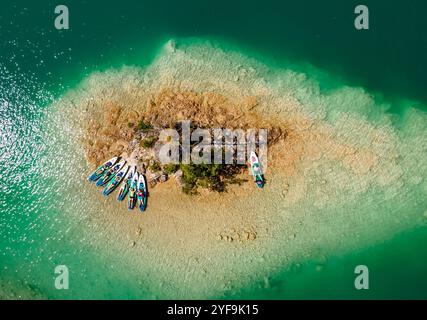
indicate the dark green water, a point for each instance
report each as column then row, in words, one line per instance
column 389, row 60
column 396, row 271
column 389, row 57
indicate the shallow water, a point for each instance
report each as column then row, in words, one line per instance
column 42, row 213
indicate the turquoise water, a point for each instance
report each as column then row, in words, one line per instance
column 39, row 63
column 396, row 271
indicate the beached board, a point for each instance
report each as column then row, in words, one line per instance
column 132, row 191
column 256, row 170
column 124, row 189
column 142, row 192
column 108, row 175
column 102, row 169
column 114, row 183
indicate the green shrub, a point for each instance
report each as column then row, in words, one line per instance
column 155, row 167
column 210, row 176
column 148, row 143
column 189, row 189
column 214, row 177
column 144, row 126
column 171, row 168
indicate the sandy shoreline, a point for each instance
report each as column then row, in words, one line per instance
column 327, row 180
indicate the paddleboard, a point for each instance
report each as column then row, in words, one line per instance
column 142, row 193
column 132, row 191
column 256, row 169
column 108, row 175
column 117, row 179
column 102, row 169
column 124, row 188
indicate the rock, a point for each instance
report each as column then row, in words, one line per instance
column 133, row 143
column 163, row 177
column 178, row 174
column 252, row 236
column 179, row 181
column 132, row 244
column 155, row 176
column 178, row 177
column 138, row 231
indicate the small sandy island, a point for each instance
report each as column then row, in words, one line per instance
column 337, row 179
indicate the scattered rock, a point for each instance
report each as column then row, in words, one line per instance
column 252, row 236
column 138, row 231
column 238, row 235
column 154, row 176
column 163, row 177
column 178, row 177
column 133, row 143
column 178, row 174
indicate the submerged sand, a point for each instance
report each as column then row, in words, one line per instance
column 341, row 175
